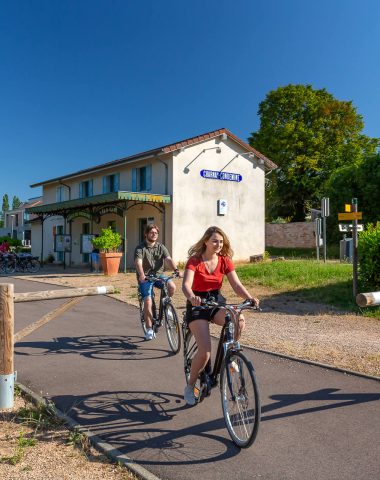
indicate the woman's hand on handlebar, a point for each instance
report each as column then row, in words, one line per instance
column 195, row 301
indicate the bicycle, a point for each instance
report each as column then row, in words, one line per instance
column 22, row 262
column 238, row 385
column 165, row 311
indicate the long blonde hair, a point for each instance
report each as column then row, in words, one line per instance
column 197, row 249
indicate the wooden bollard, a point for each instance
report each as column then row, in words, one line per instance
column 7, row 375
column 64, row 293
column 368, row 299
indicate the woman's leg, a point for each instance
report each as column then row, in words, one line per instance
column 200, row 330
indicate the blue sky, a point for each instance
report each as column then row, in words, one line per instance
column 85, row 82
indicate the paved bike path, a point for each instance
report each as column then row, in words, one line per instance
column 94, row 364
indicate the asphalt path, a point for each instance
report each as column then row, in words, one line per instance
column 94, row 364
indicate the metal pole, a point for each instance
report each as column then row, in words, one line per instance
column 324, row 240
column 355, row 250
column 7, row 375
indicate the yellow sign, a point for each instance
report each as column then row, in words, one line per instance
column 350, row 216
column 347, row 207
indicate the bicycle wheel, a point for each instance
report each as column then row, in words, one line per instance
column 10, row 266
column 172, row 327
column 33, row 266
column 141, row 314
column 240, row 399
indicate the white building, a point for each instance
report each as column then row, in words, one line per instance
column 185, row 187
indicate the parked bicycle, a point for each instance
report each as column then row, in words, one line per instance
column 165, row 312
column 232, row 370
column 22, row 262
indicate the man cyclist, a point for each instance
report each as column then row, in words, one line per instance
column 150, row 257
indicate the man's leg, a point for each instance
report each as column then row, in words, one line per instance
column 171, row 288
column 148, row 312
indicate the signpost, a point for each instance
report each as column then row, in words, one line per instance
column 325, row 208
column 351, row 213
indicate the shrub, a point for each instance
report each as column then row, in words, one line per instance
column 369, row 257
column 107, row 241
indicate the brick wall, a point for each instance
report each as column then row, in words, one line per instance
column 290, row 235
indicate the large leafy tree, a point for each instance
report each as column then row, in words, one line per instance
column 308, row 134
column 361, row 181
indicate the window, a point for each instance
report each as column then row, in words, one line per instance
column 111, row 183
column 143, row 222
column 60, row 194
column 85, row 189
column 142, row 179
column 112, row 224
column 85, row 230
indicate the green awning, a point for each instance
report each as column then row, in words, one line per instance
column 106, row 198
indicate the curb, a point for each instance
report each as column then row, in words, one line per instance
column 311, row 362
column 95, row 441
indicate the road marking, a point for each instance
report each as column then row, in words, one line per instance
column 46, row 318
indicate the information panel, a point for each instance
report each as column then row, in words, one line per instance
column 62, row 243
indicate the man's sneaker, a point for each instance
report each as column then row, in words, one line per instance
column 149, row 335
column 189, row 396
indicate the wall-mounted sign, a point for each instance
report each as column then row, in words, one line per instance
column 222, row 206
column 86, row 243
column 62, row 243
column 109, row 209
column 71, row 216
column 227, row 176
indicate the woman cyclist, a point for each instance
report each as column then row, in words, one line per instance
column 209, row 261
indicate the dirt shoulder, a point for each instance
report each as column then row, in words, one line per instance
column 287, row 324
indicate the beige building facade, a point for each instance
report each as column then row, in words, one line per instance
column 210, row 179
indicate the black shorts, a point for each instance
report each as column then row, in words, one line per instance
column 192, row 313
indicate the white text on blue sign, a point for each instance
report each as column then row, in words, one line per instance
column 227, row 176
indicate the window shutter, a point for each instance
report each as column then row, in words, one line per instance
column 117, row 182
column 104, row 184
column 134, row 180
column 81, row 190
column 90, row 188
column 149, row 177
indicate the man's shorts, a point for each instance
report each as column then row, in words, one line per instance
column 146, row 288
column 206, row 313
column 95, row 257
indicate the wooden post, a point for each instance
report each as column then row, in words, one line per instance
column 6, row 345
column 368, row 299
column 64, row 293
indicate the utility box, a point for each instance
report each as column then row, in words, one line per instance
column 346, row 250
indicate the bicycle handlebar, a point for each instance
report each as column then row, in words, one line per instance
column 248, row 304
column 153, row 278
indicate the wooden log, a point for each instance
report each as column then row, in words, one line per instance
column 6, row 328
column 368, row 299
column 64, row 293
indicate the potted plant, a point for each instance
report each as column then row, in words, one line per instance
column 108, row 242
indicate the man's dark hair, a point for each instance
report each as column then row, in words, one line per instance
column 150, row 227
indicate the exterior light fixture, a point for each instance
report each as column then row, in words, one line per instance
column 218, row 150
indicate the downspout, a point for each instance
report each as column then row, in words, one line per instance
column 166, row 193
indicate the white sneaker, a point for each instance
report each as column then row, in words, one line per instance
column 189, row 396
column 149, row 335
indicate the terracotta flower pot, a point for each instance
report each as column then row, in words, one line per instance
column 110, row 263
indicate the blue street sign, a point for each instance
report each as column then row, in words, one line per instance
column 226, row 176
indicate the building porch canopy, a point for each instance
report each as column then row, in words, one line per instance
column 124, row 200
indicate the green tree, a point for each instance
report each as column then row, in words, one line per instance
column 308, row 134
column 361, row 181
column 15, row 202
column 5, row 205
